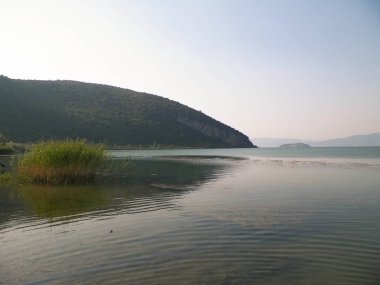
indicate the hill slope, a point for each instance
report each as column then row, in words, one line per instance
column 34, row 110
column 357, row 140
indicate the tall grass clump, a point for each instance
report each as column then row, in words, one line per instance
column 63, row 161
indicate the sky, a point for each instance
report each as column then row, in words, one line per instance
column 285, row 68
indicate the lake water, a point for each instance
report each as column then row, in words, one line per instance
column 240, row 216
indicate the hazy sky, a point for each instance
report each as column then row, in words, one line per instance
column 305, row 69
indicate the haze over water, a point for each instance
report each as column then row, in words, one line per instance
column 202, row 216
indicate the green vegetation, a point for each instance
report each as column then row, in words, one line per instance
column 62, row 161
column 7, row 179
column 35, row 110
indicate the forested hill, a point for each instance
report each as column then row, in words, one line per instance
column 32, row 110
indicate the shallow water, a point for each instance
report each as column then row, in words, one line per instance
column 197, row 220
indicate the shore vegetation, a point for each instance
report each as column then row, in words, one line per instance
column 66, row 161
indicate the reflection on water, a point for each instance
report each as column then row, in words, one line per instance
column 178, row 171
column 60, row 201
column 197, row 221
column 149, row 185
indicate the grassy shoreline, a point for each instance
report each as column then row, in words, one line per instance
column 57, row 162
column 63, row 161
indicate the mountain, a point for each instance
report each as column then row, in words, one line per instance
column 357, row 140
column 32, row 110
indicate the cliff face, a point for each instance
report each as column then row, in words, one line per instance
column 229, row 137
column 33, row 110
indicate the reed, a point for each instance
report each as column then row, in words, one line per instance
column 63, row 161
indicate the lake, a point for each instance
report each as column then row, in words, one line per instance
column 220, row 216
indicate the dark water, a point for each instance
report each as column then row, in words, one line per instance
column 198, row 221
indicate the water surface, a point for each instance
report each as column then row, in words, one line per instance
column 254, row 219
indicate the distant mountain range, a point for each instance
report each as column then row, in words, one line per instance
column 356, row 140
column 32, row 110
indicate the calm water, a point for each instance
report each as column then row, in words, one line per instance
column 261, row 216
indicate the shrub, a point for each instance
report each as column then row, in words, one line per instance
column 63, row 161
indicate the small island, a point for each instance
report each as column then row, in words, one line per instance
column 295, row 145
